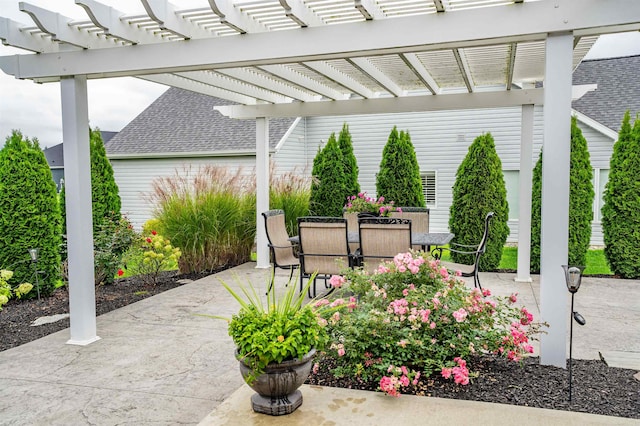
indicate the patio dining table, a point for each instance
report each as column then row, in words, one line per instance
column 424, row 239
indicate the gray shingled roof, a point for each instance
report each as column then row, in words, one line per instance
column 181, row 121
column 618, row 81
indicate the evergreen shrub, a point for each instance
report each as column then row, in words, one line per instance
column 352, row 187
column 398, row 179
column 328, row 187
column 479, row 188
column 621, row 210
column 30, row 214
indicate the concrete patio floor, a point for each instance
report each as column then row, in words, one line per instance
column 160, row 363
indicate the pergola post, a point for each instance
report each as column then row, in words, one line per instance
column 555, row 197
column 524, row 215
column 262, row 189
column 75, row 134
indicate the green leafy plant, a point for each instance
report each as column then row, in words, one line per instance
column 581, row 195
column 6, row 291
column 479, row 189
column 110, row 242
column 399, row 175
column 157, row 255
column 30, row 215
column 284, row 329
column 361, row 203
column 411, row 318
column 328, row 188
column 621, row 210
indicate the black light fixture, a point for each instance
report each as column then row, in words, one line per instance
column 573, row 276
column 34, row 260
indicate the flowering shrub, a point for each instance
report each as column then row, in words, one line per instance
column 412, row 317
column 362, row 204
column 6, row 291
column 157, row 255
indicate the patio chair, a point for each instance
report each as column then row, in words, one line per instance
column 475, row 250
column 352, row 226
column 419, row 220
column 282, row 251
column 324, row 248
column 382, row 238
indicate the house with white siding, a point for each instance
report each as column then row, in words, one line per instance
column 181, row 130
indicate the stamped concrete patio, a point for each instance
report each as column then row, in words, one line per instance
column 160, row 363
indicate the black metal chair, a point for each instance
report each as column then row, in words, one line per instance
column 282, row 251
column 476, row 250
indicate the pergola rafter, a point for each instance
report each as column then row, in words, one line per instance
column 279, row 58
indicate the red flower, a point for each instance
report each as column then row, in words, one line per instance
column 154, row 233
column 120, row 272
column 148, row 240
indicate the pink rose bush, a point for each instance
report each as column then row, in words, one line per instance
column 412, row 313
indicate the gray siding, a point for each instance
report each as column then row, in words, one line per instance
column 135, row 177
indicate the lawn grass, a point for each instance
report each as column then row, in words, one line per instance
column 596, row 262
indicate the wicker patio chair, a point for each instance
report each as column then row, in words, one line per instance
column 419, row 220
column 324, row 248
column 282, row 251
column 382, row 238
column 475, row 250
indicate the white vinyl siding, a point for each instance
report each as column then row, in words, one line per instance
column 512, row 183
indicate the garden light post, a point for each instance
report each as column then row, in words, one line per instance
column 34, row 260
column 573, row 276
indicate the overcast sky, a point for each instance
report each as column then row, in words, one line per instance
column 35, row 109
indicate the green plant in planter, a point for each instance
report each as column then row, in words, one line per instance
column 362, row 203
column 283, row 330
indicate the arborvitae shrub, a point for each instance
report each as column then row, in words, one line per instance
column 580, row 202
column 479, row 189
column 621, row 210
column 30, row 214
column 352, row 187
column 327, row 191
column 398, row 179
column 104, row 191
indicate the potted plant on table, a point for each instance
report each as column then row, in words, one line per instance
column 276, row 344
column 369, row 206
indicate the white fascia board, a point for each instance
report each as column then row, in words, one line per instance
column 162, row 155
column 595, row 125
column 287, row 134
column 524, row 22
column 388, row 105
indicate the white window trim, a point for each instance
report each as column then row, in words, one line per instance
column 423, row 178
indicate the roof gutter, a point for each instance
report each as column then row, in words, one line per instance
column 194, row 154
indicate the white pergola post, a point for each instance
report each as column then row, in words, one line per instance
column 555, row 197
column 524, row 215
column 75, row 134
column 262, row 189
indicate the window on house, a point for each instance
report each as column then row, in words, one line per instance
column 600, row 178
column 512, row 183
column 429, row 187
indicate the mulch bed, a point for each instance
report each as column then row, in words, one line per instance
column 597, row 388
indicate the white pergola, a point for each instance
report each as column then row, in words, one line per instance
column 292, row 58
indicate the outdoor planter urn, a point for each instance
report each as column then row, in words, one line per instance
column 277, row 388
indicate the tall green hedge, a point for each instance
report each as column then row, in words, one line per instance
column 328, row 188
column 581, row 195
column 479, row 189
column 352, row 186
column 30, row 215
column 621, row 210
column 398, row 179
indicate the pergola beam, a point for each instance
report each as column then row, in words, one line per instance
column 267, row 83
column 341, row 78
column 303, row 81
column 366, row 67
column 529, row 21
column 387, row 105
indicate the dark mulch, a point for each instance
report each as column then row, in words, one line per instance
column 17, row 315
column 597, row 388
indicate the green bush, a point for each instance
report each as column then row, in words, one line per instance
column 328, row 188
column 352, row 187
column 580, row 202
column 398, row 179
column 621, row 210
column 479, row 189
column 30, row 216
column 290, row 192
column 211, row 217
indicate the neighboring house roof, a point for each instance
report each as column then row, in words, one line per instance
column 618, row 81
column 181, row 121
column 55, row 154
